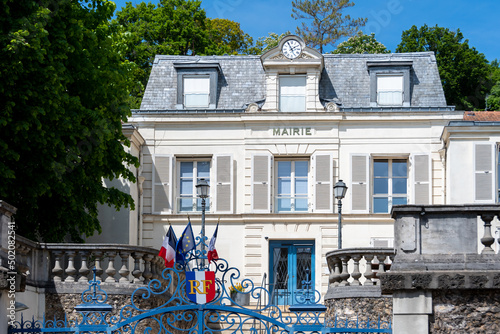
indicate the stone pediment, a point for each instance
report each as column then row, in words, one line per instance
column 308, row 57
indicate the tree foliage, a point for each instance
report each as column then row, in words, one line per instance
column 175, row 27
column 464, row 71
column 328, row 23
column 266, row 43
column 62, row 101
column 226, row 37
column 361, row 43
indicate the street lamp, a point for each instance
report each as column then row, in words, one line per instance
column 339, row 190
column 202, row 190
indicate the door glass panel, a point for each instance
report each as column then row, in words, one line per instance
column 303, row 265
column 280, row 266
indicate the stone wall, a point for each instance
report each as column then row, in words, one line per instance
column 59, row 305
column 360, row 308
column 460, row 311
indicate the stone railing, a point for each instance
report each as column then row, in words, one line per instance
column 358, row 266
column 51, row 263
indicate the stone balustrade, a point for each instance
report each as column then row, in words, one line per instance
column 73, row 263
column 358, row 266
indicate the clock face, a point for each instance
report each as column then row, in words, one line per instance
column 291, row 49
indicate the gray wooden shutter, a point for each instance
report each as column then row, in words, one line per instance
column 162, row 184
column 422, row 179
column 323, row 176
column 261, row 183
column 483, row 170
column 223, row 183
column 360, row 183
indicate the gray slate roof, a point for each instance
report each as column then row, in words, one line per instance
column 345, row 77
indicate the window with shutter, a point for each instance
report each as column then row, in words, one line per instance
column 484, row 180
column 189, row 173
column 421, row 179
column 261, row 178
column 292, row 190
column 224, row 176
column 292, row 93
column 390, row 184
column 196, row 92
column 359, row 183
column 162, row 184
column 323, row 188
column 390, row 90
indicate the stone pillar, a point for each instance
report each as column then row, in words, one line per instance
column 411, row 311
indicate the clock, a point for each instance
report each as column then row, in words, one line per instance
column 291, row 49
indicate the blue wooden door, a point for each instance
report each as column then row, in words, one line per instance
column 291, row 263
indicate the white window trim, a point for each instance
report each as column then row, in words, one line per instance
column 178, row 183
column 292, row 177
column 195, row 76
column 390, row 177
column 279, row 90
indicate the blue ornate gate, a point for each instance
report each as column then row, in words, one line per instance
column 176, row 313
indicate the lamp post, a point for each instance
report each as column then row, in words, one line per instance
column 202, row 190
column 339, row 190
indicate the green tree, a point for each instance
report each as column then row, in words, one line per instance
column 266, row 43
column 464, row 71
column 493, row 97
column 361, row 43
column 328, row 24
column 173, row 27
column 226, row 37
column 63, row 99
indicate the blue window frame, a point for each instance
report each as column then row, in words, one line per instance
column 390, row 184
column 190, row 172
column 291, row 263
column 292, row 186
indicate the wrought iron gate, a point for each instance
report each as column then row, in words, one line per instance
column 176, row 312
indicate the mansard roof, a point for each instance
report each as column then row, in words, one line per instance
column 345, row 79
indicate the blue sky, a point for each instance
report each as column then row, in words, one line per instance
column 477, row 20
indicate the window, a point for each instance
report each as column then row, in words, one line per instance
column 197, row 85
column 190, row 172
column 390, row 184
column 390, row 84
column 196, row 92
column 292, row 93
column 292, row 186
column 390, row 90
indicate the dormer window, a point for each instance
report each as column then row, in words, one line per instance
column 292, row 93
column 197, row 85
column 390, row 90
column 389, row 83
column 196, row 91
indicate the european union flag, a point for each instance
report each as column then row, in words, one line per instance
column 185, row 244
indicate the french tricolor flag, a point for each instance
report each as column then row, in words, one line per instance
column 167, row 251
column 212, row 252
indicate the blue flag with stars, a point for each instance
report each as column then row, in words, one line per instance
column 185, row 244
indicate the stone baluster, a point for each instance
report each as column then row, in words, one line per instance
column 57, row 271
column 344, row 275
column 356, row 274
column 369, row 274
column 70, row 269
column 84, row 269
column 487, row 240
column 98, row 270
column 391, row 259
column 336, row 275
column 380, row 266
column 137, row 273
column 154, row 267
column 331, row 276
column 124, row 269
column 111, row 271
column 147, row 267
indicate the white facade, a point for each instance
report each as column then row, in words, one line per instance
column 275, row 136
